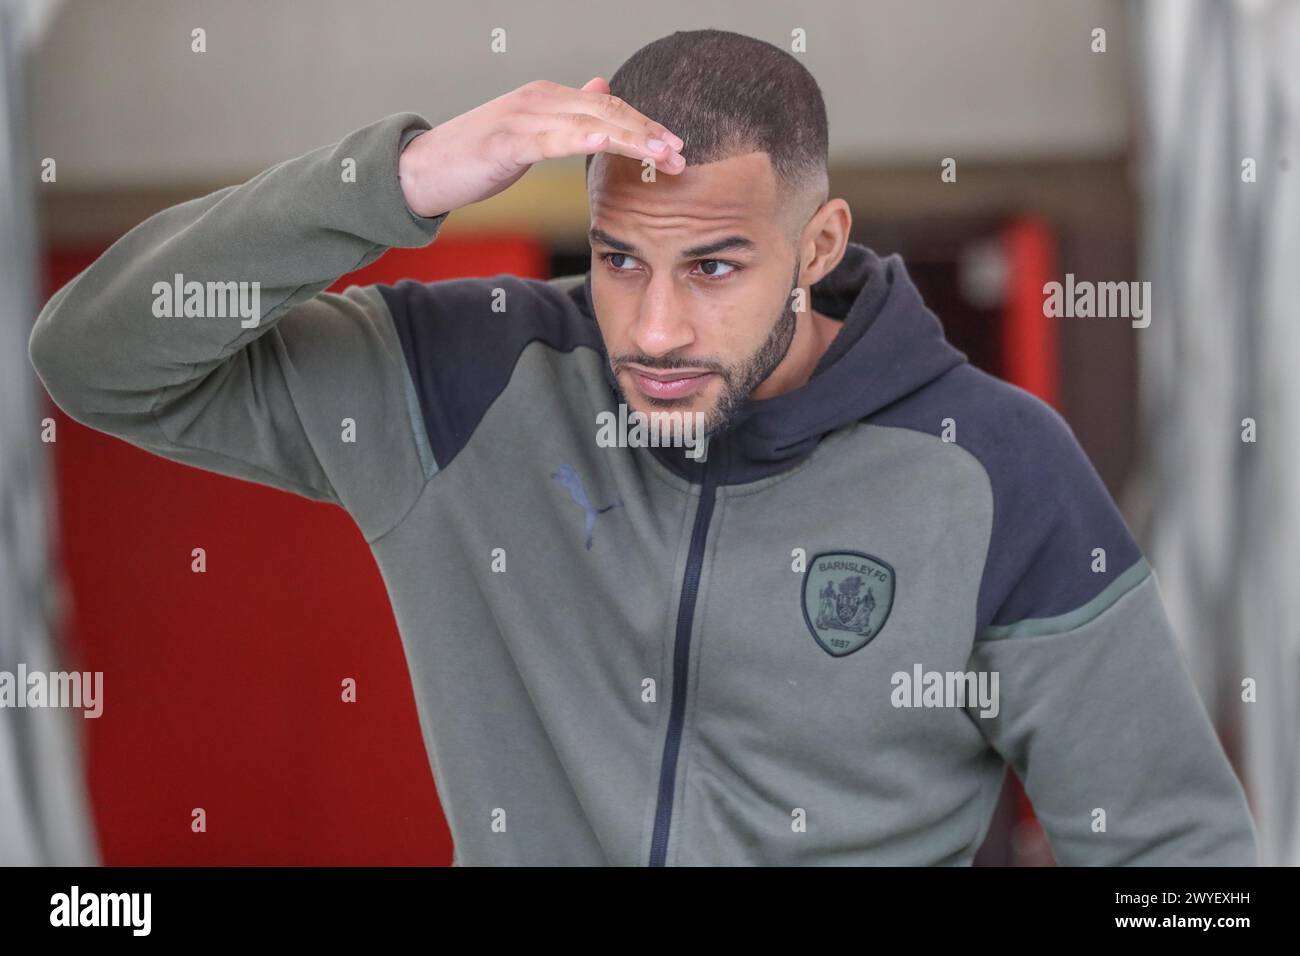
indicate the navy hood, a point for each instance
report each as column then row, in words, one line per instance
column 890, row 345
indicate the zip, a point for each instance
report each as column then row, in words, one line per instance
column 681, row 658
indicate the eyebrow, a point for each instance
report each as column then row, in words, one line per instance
column 598, row 235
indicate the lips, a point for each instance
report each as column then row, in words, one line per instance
column 669, row 384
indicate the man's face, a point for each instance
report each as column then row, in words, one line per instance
column 691, row 282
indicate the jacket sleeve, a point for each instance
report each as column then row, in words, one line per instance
column 288, row 386
column 1098, row 713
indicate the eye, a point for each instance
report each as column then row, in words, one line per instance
column 608, row 258
column 718, row 262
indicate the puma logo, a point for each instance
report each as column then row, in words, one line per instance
column 567, row 475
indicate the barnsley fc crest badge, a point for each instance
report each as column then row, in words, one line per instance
column 847, row 596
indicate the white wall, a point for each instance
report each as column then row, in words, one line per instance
column 119, row 99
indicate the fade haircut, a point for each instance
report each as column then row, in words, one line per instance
column 726, row 94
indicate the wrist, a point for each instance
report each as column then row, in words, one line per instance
column 408, row 176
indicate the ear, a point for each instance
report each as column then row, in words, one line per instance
column 824, row 240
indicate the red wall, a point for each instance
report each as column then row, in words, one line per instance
column 222, row 690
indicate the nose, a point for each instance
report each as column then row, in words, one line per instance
column 662, row 325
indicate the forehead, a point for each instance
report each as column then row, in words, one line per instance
column 737, row 193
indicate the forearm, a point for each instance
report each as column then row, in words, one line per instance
column 1113, row 744
column 188, row 287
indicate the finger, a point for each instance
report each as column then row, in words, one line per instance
column 621, row 112
column 611, row 108
column 670, row 162
column 549, row 96
column 573, row 134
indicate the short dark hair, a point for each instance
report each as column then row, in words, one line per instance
column 725, row 94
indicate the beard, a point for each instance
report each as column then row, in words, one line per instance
column 739, row 379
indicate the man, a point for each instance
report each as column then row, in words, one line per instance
column 819, row 639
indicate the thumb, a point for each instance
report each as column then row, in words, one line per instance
column 595, row 85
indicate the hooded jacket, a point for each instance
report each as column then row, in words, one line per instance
column 822, row 644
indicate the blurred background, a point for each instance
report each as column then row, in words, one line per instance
column 1116, row 141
